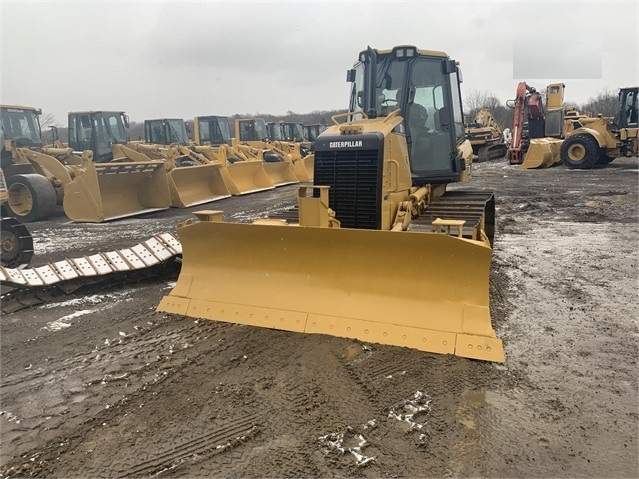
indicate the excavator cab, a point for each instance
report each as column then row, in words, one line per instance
column 380, row 251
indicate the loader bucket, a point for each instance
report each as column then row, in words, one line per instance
column 309, row 164
column 542, row 153
column 107, row 191
column 427, row 291
column 281, row 173
column 301, row 172
column 194, row 185
column 248, row 177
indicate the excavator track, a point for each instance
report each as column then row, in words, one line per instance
column 23, row 288
column 492, row 152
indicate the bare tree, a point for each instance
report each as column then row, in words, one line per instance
column 47, row 123
column 605, row 103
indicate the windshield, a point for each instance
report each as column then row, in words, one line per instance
column 214, row 129
column 21, row 125
column 252, row 130
column 275, row 131
column 176, row 132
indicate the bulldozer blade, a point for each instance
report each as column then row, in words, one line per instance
column 281, row 173
column 107, row 191
column 248, row 177
column 542, row 153
column 195, row 185
column 427, row 291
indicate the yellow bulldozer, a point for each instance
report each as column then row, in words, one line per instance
column 83, row 176
column 378, row 248
column 595, row 141
column 485, row 136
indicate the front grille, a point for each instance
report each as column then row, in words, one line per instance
column 354, row 177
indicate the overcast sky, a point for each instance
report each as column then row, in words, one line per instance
column 182, row 59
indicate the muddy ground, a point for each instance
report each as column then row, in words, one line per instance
column 101, row 385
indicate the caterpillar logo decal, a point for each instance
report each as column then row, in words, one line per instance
column 345, row 144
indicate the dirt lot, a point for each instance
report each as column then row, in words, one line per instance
column 100, row 385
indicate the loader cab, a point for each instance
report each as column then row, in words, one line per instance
column 274, row 131
column 293, row 132
column 311, row 132
column 21, row 127
column 166, row 131
column 97, row 131
column 212, row 130
column 251, row 130
column 424, row 86
column 626, row 116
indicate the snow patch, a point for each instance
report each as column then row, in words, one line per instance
column 62, row 322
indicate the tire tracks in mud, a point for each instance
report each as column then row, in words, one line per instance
column 73, row 395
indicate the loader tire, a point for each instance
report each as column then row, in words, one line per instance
column 580, row 151
column 604, row 159
column 31, row 197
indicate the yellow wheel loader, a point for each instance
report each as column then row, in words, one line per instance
column 193, row 180
column 212, row 138
column 379, row 250
column 300, row 147
column 286, row 139
column 596, row 141
column 279, row 165
column 485, row 136
column 198, row 172
column 16, row 242
column 83, row 177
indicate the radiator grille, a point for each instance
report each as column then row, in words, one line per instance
column 354, row 177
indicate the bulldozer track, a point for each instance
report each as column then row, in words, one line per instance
column 476, row 208
column 23, row 288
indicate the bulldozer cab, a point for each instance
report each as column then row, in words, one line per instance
column 20, row 126
column 212, row 130
column 627, row 114
column 97, row 131
column 424, row 86
column 166, row 131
